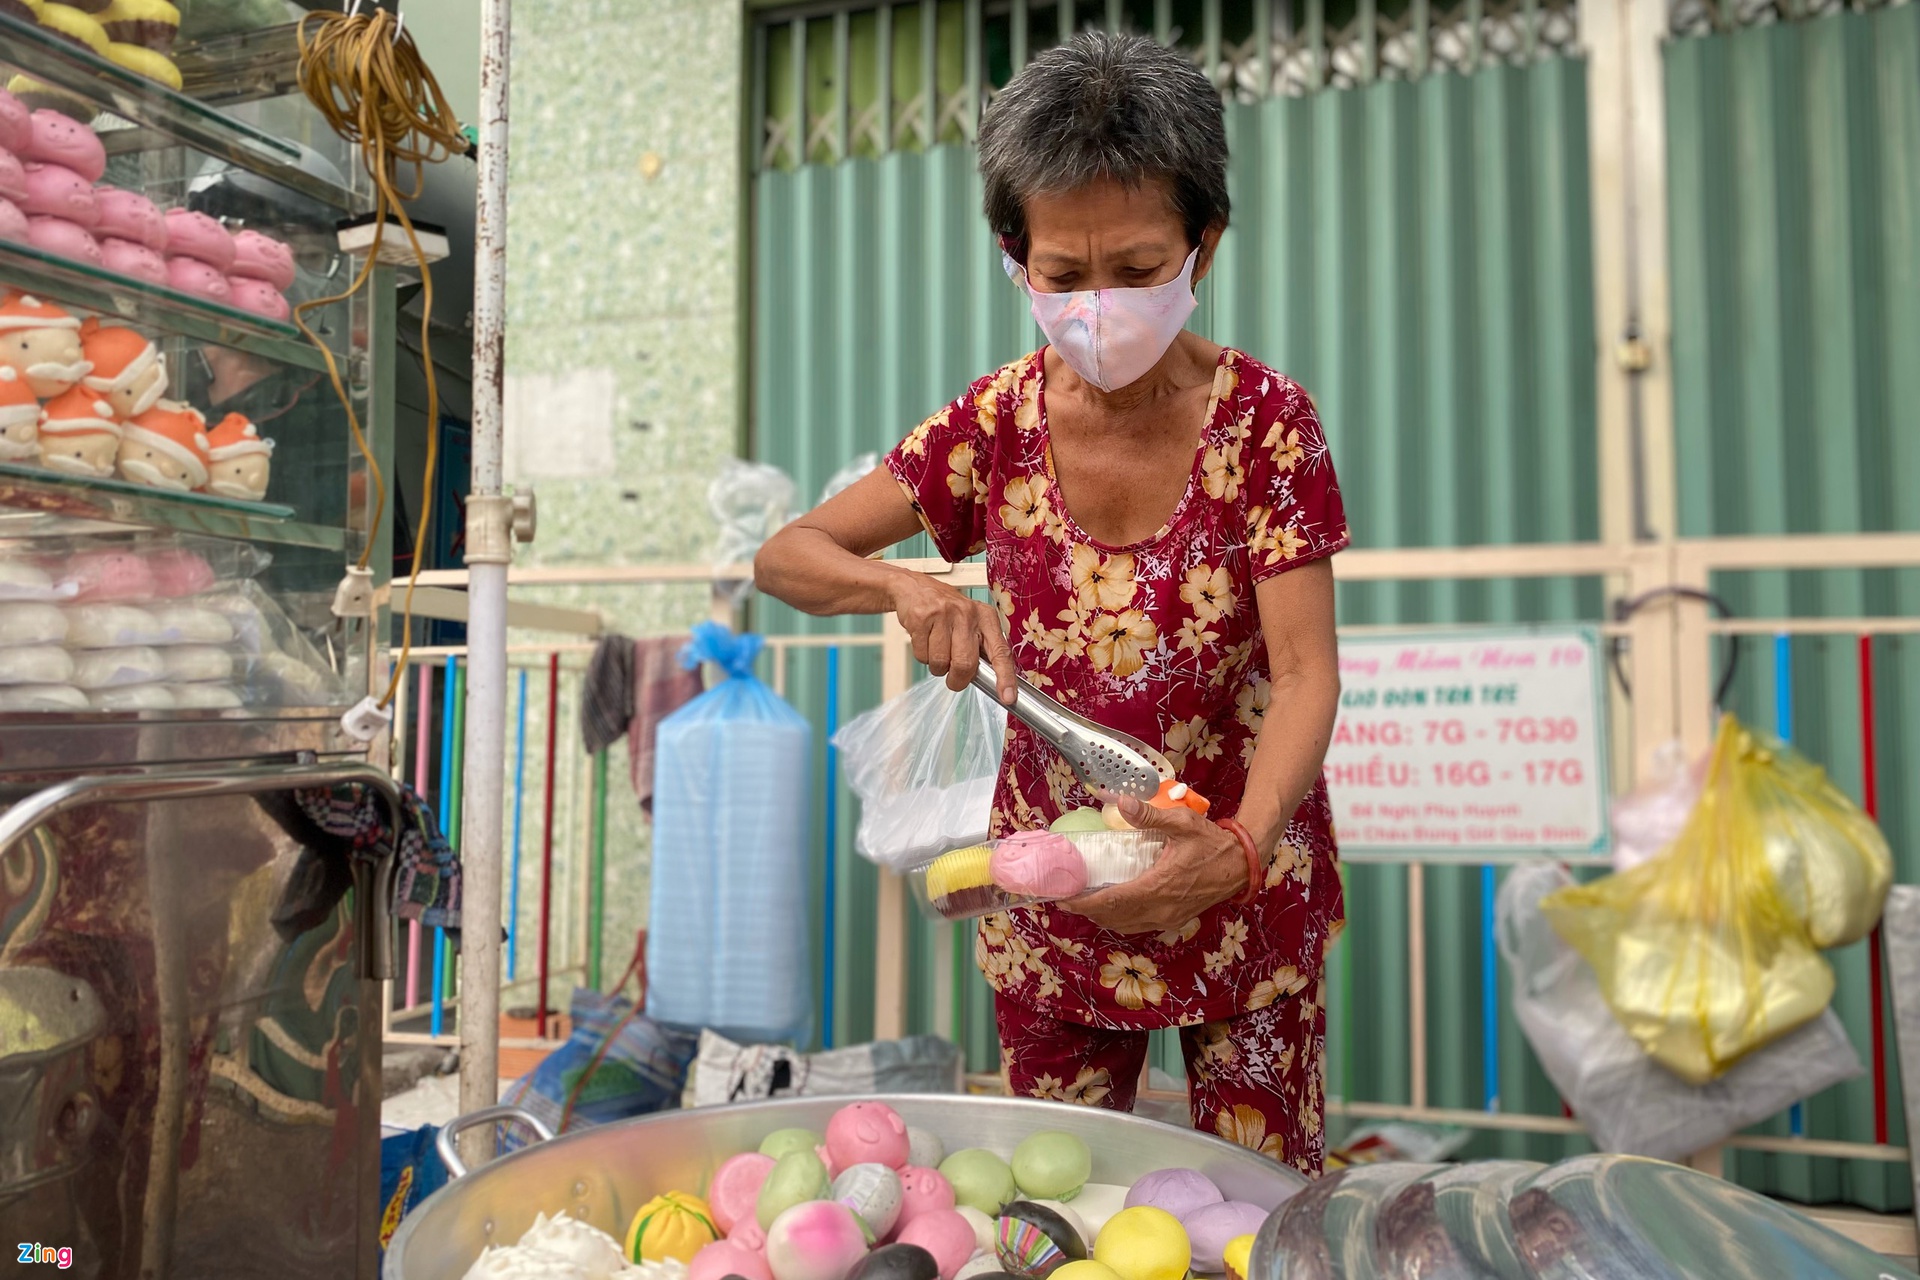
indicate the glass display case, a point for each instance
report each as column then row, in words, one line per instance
column 194, row 222
column 190, row 963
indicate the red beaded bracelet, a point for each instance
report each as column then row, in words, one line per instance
column 1256, row 865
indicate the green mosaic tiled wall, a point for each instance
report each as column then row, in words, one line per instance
column 624, row 217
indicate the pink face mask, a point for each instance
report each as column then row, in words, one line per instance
column 1111, row 337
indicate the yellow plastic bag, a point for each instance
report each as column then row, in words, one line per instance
column 1700, row 955
column 1828, row 857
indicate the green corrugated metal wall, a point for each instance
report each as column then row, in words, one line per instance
column 1417, row 255
column 1794, row 153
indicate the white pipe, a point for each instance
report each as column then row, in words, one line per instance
column 489, row 544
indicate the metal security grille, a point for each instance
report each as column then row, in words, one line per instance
column 1706, row 17
column 861, row 79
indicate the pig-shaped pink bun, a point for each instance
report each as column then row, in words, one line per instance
column 13, row 177
column 190, row 275
column 13, row 223
column 131, row 258
column 129, row 215
column 921, row 1191
column 16, row 123
column 55, row 191
column 261, row 257
column 1038, row 864
column 195, row 235
column 64, row 141
column 258, row 297
column 63, row 239
column 867, row 1133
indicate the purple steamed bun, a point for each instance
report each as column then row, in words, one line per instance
column 1178, row 1191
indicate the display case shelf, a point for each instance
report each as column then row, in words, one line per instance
column 37, row 503
column 171, row 116
column 91, row 288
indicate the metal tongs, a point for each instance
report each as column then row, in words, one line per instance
column 1103, row 759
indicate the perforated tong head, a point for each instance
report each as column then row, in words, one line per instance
column 1103, row 759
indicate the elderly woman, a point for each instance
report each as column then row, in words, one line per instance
column 1157, row 514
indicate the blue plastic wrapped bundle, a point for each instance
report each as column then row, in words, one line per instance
column 727, row 944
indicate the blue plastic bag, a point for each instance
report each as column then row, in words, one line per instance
column 642, row 1070
column 729, row 926
column 410, row 1171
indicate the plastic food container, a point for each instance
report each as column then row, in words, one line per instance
column 1031, row 867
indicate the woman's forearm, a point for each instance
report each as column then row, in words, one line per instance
column 1288, row 753
column 808, row 569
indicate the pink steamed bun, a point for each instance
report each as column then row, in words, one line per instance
column 55, row 191
column 257, row 296
column 867, row 1133
column 1038, row 864
column 16, row 123
column 946, row 1235
column 735, row 1188
column 63, row 239
column 178, row 572
column 108, row 577
column 130, row 216
column 724, row 1258
column 13, row 223
column 261, row 257
column 61, row 140
column 13, row 177
column 817, row 1240
column 921, row 1191
column 195, row 235
column 202, row 280
column 131, row 258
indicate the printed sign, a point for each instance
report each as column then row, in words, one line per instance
column 1475, row 744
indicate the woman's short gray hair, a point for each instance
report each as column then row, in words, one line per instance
column 1119, row 107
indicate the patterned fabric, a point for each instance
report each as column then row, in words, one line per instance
column 427, row 884
column 1254, row 1079
column 1160, row 639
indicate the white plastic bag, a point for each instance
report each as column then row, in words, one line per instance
column 1626, row 1100
column 923, row 765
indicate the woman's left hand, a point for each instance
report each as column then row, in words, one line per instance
column 1201, row 866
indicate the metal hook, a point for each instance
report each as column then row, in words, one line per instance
column 399, row 25
column 351, row 7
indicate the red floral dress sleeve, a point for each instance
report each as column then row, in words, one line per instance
column 943, row 466
column 1294, row 512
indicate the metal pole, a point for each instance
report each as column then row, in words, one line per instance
column 830, row 895
column 489, row 548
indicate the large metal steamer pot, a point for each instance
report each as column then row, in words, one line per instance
column 604, row 1175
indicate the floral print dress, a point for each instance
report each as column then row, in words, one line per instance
column 1160, row 639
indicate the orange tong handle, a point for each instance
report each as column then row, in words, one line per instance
column 1175, row 795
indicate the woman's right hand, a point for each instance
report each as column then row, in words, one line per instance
column 951, row 632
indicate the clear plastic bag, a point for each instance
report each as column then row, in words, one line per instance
column 1699, row 954
column 1627, row 1101
column 849, row 475
column 1029, row 867
column 749, row 502
column 924, row 765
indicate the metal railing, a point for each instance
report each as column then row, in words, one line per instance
column 835, row 81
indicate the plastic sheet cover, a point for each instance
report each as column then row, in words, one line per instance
column 728, row 940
